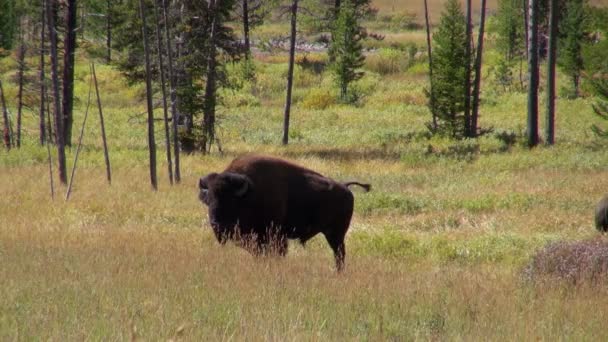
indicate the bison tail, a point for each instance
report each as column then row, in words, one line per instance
column 367, row 187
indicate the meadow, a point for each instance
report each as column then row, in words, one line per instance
column 434, row 252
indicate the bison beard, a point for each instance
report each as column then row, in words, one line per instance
column 261, row 202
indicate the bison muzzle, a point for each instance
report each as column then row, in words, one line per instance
column 262, row 202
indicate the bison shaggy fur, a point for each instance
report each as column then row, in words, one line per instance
column 261, row 202
column 601, row 215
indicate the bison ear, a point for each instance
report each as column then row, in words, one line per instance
column 242, row 184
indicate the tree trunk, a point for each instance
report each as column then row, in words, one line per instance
column 172, row 86
column 429, row 52
column 477, row 85
column 108, row 31
column 59, row 134
column 20, row 72
column 151, row 142
column 526, row 5
column 210, row 85
column 69, row 45
column 42, row 76
column 6, row 136
column 79, row 146
column 106, row 155
column 551, row 60
column 246, row 28
column 161, row 70
column 533, row 75
column 467, row 73
column 292, row 52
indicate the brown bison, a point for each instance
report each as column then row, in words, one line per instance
column 261, row 202
column 601, row 215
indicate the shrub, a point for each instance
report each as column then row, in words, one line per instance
column 573, row 262
column 318, row 98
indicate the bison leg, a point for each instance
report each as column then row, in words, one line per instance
column 337, row 245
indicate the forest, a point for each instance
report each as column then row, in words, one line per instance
column 482, row 127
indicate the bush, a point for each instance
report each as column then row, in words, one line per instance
column 387, row 61
column 318, row 98
column 573, row 262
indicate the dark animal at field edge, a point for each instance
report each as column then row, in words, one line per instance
column 601, row 215
column 261, row 202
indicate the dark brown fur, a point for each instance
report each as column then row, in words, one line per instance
column 264, row 201
column 601, row 215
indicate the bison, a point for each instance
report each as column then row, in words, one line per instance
column 601, row 215
column 261, row 202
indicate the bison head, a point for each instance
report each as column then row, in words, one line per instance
column 224, row 195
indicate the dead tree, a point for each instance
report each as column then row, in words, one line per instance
column 533, row 74
column 42, row 76
column 467, row 73
column 20, row 74
column 151, row 141
column 79, row 147
column 429, row 52
column 108, row 31
column 69, row 46
column 59, row 134
column 551, row 60
column 161, row 71
column 6, row 136
column 477, row 82
column 106, row 155
column 292, row 52
column 173, row 94
column 210, row 84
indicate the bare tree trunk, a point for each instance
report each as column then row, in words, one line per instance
column 292, row 52
column 173, row 100
column 106, row 155
column 151, row 142
column 210, row 85
column 20, row 72
column 429, row 52
column 42, row 76
column 84, row 121
column 533, row 75
column 59, row 134
column 161, row 70
column 69, row 45
column 526, row 5
column 551, row 59
column 6, row 130
column 50, row 159
column 108, row 31
column 477, row 84
column 246, row 28
column 467, row 73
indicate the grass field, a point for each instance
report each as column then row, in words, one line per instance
column 435, row 251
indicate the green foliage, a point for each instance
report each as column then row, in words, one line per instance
column 449, row 61
column 510, row 29
column 601, row 106
column 572, row 28
column 8, row 24
column 346, row 48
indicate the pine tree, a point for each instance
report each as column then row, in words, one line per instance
column 347, row 49
column 510, row 29
column 600, row 108
column 8, row 23
column 572, row 29
column 449, row 60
